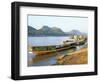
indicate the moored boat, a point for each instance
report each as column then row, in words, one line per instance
column 67, row 44
column 43, row 50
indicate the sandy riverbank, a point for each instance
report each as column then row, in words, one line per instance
column 77, row 57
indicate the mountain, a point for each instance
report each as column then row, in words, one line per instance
column 31, row 31
column 75, row 32
column 45, row 31
column 58, row 31
column 51, row 31
column 54, row 31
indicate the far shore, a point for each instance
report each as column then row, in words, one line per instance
column 49, row 36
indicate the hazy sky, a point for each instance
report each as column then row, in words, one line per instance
column 65, row 23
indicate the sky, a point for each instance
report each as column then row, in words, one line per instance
column 65, row 23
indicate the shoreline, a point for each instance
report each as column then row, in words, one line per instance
column 77, row 57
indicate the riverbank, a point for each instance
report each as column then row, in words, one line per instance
column 77, row 57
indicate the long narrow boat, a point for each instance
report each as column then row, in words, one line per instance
column 43, row 50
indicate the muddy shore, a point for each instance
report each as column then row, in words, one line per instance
column 77, row 57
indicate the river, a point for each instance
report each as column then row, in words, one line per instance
column 44, row 41
column 48, row 59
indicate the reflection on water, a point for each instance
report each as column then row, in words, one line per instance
column 49, row 59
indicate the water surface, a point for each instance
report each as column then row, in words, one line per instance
column 47, row 59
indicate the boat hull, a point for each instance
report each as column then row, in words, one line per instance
column 39, row 52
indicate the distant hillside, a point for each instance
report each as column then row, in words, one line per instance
column 45, row 31
column 50, row 31
column 31, row 31
column 74, row 32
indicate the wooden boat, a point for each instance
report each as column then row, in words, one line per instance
column 77, row 42
column 43, row 50
column 81, row 42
